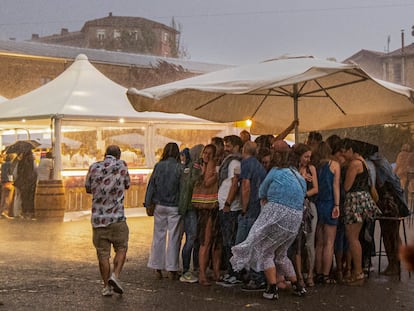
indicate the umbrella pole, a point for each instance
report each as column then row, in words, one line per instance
column 295, row 111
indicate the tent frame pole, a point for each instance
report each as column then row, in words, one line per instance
column 57, row 150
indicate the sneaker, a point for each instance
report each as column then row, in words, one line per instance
column 223, row 279
column 271, row 292
column 188, row 277
column 252, row 286
column 116, row 285
column 298, row 290
column 230, row 282
column 107, row 291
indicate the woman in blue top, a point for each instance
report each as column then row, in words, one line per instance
column 327, row 205
column 282, row 194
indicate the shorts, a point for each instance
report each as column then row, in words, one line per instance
column 115, row 234
column 359, row 206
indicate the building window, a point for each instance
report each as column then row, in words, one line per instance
column 165, row 37
column 117, row 34
column 397, row 73
column 100, row 34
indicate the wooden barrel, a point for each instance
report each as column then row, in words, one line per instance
column 50, row 200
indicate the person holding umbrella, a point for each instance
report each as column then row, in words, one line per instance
column 25, row 182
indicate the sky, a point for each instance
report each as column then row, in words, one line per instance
column 234, row 31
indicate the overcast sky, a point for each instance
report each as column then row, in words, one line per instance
column 234, row 31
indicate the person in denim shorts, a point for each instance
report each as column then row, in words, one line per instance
column 107, row 181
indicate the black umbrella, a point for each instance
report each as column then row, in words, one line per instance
column 22, row 146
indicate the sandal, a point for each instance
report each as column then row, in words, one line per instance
column 282, row 285
column 204, row 282
column 355, row 280
column 310, row 282
column 328, row 280
column 301, row 282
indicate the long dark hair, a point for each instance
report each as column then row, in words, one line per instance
column 297, row 151
column 170, row 151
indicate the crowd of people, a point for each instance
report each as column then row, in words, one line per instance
column 269, row 216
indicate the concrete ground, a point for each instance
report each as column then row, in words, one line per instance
column 48, row 266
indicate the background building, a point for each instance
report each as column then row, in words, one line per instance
column 120, row 33
column 396, row 66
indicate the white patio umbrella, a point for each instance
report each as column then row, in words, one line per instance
column 321, row 94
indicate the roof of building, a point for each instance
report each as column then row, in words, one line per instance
column 125, row 22
column 408, row 50
column 364, row 53
column 67, row 36
column 103, row 56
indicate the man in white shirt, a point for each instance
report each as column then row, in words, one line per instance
column 229, row 202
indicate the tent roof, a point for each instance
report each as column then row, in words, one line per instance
column 80, row 92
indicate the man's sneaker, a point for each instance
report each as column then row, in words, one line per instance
column 271, row 292
column 188, row 277
column 252, row 286
column 230, row 282
column 223, row 279
column 298, row 289
column 116, row 285
column 107, row 291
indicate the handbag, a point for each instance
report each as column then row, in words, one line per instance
column 205, row 197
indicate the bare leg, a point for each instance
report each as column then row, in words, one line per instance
column 216, row 261
column 352, row 234
column 319, row 249
column 204, row 252
column 328, row 248
column 119, row 261
column 105, row 269
column 270, row 275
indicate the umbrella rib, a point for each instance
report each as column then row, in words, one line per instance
column 333, row 87
column 261, row 103
column 330, row 97
column 210, row 101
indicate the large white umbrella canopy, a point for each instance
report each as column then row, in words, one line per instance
column 321, row 94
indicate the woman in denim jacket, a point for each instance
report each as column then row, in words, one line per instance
column 164, row 191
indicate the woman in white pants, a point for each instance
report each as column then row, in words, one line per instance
column 164, row 191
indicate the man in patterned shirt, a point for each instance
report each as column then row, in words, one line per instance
column 107, row 181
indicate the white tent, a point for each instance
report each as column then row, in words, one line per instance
column 80, row 93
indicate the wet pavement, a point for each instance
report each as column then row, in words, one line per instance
column 53, row 267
